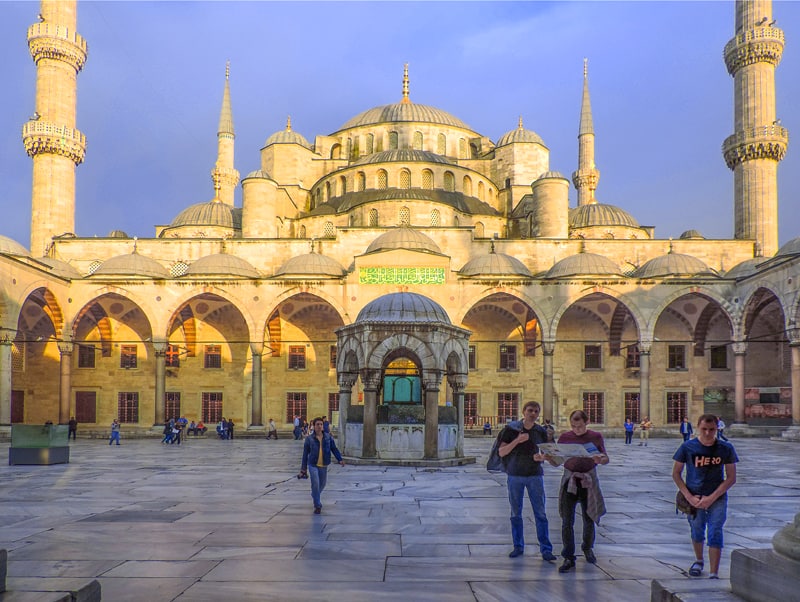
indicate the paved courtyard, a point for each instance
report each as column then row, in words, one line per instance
column 228, row 520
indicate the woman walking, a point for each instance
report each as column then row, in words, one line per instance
column 317, row 450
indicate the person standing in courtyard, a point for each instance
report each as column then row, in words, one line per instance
column 272, row 430
column 72, row 429
column 628, row 431
column 644, row 430
column 721, row 430
column 686, row 428
column 317, row 450
column 579, row 484
column 114, row 432
column 710, row 473
column 519, row 449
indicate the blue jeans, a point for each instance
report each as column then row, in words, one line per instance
column 319, row 477
column 114, row 437
column 628, row 437
column 712, row 519
column 516, row 492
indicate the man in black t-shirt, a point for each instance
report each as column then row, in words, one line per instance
column 519, row 443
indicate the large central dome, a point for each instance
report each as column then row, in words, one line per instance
column 405, row 111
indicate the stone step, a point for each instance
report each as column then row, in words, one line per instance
column 90, row 592
column 692, row 590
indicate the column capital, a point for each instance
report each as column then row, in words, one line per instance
column 160, row 347
column 739, row 348
column 257, row 347
column 431, row 379
column 548, row 347
column 346, row 380
column 371, row 379
column 458, row 382
column 65, row 347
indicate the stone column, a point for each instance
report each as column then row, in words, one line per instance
column 739, row 355
column 458, row 383
column 256, row 349
column 65, row 383
column 644, row 380
column 371, row 380
column 795, row 348
column 548, row 349
column 5, row 381
column 160, row 353
column 346, row 382
column 431, row 379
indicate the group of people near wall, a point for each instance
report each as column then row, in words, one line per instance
column 708, row 460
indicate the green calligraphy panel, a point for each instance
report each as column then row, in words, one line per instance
column 405, row 275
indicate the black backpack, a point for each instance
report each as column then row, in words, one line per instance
column 495, row 463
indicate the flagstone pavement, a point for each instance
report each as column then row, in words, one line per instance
column 228, row 520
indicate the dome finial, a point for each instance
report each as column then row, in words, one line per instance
column 491, row 248
column 288, row 123
column 135, row 245
column 520, row 123
column 311, row 243
column 405, row 84
column 670, row 245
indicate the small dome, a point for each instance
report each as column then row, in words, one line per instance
column 520, row 135
column 600, row 214
column 258, row 173
column 311, row 264
column 405, row 155
column 9, row 246
column 118, row 234
column 495, row 264
column 287, row 136
column 404, row 111
column 747, row 268
column 403, row 307
column 692, row 234
column 552, row 175
column 790, row 248
column 222, row 264
column 131, row 264
column 673, row 264
column 61, row 268
column 403, row 238
column 584, row 264
column 212, row 213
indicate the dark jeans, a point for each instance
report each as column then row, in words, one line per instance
column 628, row 437
column 568, row 502
column 72, row 433
column 271, row 434
column 685, row 436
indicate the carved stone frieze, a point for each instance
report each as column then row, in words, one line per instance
column 763, row 142
column 44, row 137
column 759, row 45
column 49, row 41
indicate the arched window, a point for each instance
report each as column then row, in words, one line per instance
column 481, row 190
column 449, row 181
column 301, row 233
column 467, row 186
column 417, row 140
column 441, row 144
column 328, row 231
column 354, row 151
column 383, row 179
column 312, row 201
column 342, row 185
column 370, row 143
column 427, row 179
column 462, row 148
column 373, row 218
column 491, row 195
column 392, row 140
column 479, row 230
column 361, row 181
column 379, row 143
column 435, row 218
column 405, row 216
column 405, row 178
column 456, row 221
column 327, row 191
column 349, row 148
column 336, row 151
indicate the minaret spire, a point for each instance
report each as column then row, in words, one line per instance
column 406, row 99
column 758, row 142
column 585, row 178
column 50, row 137
column 224, row 175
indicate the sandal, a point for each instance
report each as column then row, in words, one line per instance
column 696, row 569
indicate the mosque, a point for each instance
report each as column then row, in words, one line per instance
column 405, row 275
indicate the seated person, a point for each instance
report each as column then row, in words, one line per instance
column 200, row 428
column 487, row 428
column 192, row 430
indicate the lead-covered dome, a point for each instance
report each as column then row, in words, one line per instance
column 222, row 264
column 212, row 213
column 790, row 248
column 9, row 246
column 310, row 265
column 520, row 134
column 61, row 268
column 288, row 136
column 404, row 111
column 746, row 268
column 131, row 264
column 495, row 265
column 403, row 307
column 600, row 214
column 584, row 264
column 673, row 264
column 403, row 238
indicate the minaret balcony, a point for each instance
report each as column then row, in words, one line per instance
column 757, row 45
column 43, row 137
column 57, row 42
column 761, row 142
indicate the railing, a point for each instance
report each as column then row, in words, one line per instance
column 758, row 33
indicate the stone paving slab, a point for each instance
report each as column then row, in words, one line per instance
column 234, row 523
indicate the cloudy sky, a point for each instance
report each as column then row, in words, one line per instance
column 149, row 96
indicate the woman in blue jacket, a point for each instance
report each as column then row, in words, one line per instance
column 317, row 450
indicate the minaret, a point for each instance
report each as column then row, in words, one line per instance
column 224, row 175
column 50, row 136
column 585, row 178
column 759, row 142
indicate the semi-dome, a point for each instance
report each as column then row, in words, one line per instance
column 131, row 264
column 600, row 214
column 584, row 264
column 288, row 136
column 673, row 264
column 9, row 246
column 310, row 265
column 404, row 111
column 61, row 268
column 222, row 264
column 403, row 307
column 495, row 264
column 691, row 234
column 746, row 268
column 520, row 134
column 403, row 155
column 212, row 213
column 790, row 248
column 403, row 238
